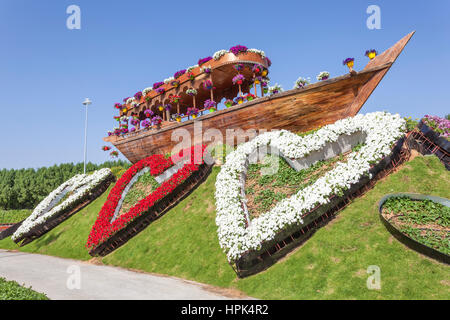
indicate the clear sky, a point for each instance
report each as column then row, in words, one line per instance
column 124, row 46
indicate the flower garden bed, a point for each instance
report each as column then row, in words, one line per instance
column 69, row 198
column 420, row 222
column 177, row 180
column 254, row 245
column 443, row 144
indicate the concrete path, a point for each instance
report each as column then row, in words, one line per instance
column 60, row 278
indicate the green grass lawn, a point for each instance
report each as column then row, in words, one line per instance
column 13, row 216
column 11, row 290
column 331, row 265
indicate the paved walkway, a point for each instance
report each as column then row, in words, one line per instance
column 58, row 279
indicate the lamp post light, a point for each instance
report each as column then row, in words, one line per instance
column 86, row 103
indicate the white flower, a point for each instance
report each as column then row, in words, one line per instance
column 189, row 69
column 218, row 54
column 260, row 52
column 323, row 74
column 80, row 187
column 166, row 81
column 301, row 82
column 275, row 89
column 382, row 130
column 147, row 90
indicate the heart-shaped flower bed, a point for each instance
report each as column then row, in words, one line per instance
column 177, row 179
column 238, row 235
column 63, row 202
column 420, row 222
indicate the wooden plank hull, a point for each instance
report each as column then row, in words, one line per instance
column 294, row 110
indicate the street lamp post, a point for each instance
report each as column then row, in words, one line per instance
column 86, row 103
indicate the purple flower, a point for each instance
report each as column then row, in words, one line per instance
column 238, row 79
column 156, row 85
column 179, row 73
column 348, row 60
column 156, row 120
column 146, row 123
column 210, row 104
column 125, row 100
column 138, row 95
column 167, row 107
column 204, row 60
column 160, row 90
column 239, row 66
column 238, row 49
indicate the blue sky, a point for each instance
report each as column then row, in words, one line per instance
column 124, row 46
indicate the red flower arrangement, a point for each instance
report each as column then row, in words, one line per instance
column 114, row 154
column 106, row 148
column 103, row 228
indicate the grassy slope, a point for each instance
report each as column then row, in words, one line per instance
column 331, row 265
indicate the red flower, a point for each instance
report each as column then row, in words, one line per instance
column 103, row 228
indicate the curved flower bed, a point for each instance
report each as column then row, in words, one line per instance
column 238, row 236
column 110, row 228
column 421, row 232
column 80, row 189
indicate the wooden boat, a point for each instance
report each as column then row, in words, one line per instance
column 296, row 110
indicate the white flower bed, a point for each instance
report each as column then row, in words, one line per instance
column 80, row 186
column 382, row 130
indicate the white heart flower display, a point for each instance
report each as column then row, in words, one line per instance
column 237, row 235
column 78, row 189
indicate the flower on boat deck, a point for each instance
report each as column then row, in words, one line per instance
column 156, row 85
column 238, row 79
column 301, row 82
column 239, row 67
column 118, row 106
column 204, row 60
column 179, row 73
column 229, row 103
column 208, row 85
column 372, row 53
column 138, row 95
column 174, row 99
column 324, row 75
column 210, row 104
column 250, row 97
column 275, row 89
column 192, row 111
column 218, row 54
column 175, row 83
column 239, row 100
column 207, row 69
column 106, row 148
column 135, row 121
column 160, row 90
column 146, row 123
column 126, row 99
column 156, row 120
column 349, row 62
column 257, row 68
column 238, row 49
column 146, row 91
column 148, row 113
column 191, row 92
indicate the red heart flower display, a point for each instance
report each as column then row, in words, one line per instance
column 110, row 232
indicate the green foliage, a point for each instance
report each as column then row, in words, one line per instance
column 286, row 178
column 141, row 188
column 11, row 290
column 411, row 124
column 416, row 216
column 13, row 216
column 25, row 188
